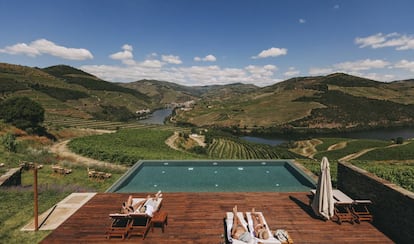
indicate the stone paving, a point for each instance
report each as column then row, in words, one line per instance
column 56, row 215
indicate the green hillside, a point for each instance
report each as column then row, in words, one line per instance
column 336, row 101
column 66, row 91
column 162, row 92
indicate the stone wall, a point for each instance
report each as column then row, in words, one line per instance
column 11, row 178
column 392, row 206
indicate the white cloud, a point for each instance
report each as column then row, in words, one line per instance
column 379, row 40
column 336, row 6
column 271, row 52
column 208, row 58
column 359, row 65
column 127, row 47
column 372, row 41
column 376, row 76
column 261, row 72
column 352, row 67
column 126, row 54
column 405, row 64
column 21, row 48
column 292, row 72
column 302, row 21
column 191, row 76
column 171, row 59
column 151, row 63
column 320, row 71
column 43, row 46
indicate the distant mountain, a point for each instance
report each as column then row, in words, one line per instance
column 162, row 92
column 167, row 92
column 339, row 101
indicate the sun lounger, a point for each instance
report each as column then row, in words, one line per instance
column 119, row 226
column 120, row 223
column 361, row 211
column 342, row 206
column 357, row 208
column 229, row 226
column 348, row 209
column 140, row 222
column 271, row 240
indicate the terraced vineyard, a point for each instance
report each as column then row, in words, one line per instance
column 62, row 121
column 224, row 148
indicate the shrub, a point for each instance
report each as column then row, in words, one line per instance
column 9, row 142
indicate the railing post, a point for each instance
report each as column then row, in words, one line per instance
column 36, row 217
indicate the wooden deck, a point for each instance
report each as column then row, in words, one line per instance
column 198, row 218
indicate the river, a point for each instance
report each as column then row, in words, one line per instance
column 158, row 116
column 379, row 134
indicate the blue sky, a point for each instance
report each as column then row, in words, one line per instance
column 205, row 42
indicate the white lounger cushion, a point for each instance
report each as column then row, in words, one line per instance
column 341, row 197
column 229, row 225
column 271, row 240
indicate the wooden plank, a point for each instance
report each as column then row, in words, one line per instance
column 198, row 218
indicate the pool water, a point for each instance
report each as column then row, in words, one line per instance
column 213, row 176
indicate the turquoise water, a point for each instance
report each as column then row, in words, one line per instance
column 213, row 176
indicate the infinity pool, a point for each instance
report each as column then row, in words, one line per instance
column 214, row 176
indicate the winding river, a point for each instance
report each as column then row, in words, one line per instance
column 158, row 117
column 378, row 134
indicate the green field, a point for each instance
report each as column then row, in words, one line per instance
column 352, row 146
column 398, row 152
column 399, row 173
column 129, row 146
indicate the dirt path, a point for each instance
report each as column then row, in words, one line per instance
column 199, row 139
column 356, row 155
column 63, row 152
column 307, row 147
column 337, row 146
column 362, row 152
column 171, row 141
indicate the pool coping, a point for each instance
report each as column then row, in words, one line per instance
column 291, row 164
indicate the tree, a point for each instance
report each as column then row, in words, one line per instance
column 22, row 112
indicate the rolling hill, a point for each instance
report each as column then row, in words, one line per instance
column 336, row 101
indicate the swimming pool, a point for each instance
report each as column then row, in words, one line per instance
column 213, row 176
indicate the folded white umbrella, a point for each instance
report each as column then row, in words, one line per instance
column 323, row 202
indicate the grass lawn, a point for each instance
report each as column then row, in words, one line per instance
column 16, row 208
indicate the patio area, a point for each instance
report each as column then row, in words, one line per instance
column 198, row 218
